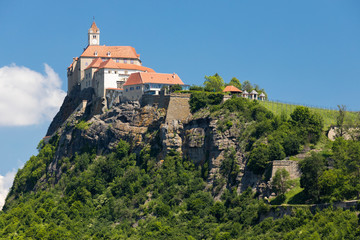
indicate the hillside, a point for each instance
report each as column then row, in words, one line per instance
column 138, row 172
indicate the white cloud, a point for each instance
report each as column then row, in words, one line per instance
column 5, row 184
column 28, row 97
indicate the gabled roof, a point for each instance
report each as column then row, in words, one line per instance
column 74, row 60
column 262, row 95
column 111, row 64
column 110, row 51
column 94, row 28
column 108, row 64
column 231, row 89
column 254, row 92
column 95, row 63
column 149, row 77
column 245, row 92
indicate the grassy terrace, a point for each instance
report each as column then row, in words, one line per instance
column 328, row 115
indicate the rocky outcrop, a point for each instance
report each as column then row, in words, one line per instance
column 71, row 102
column 206, row 140
column 102, row 132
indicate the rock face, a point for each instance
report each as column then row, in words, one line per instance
column 71, row 102
column 200, row 139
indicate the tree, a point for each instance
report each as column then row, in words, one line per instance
column 276, row 151
column 214, row 83
column 309, row 124
column 312, row 168
column 175, row 87
column 246, row 86
column 280, row 181
column 259, row 158
column 340, row 121
column 235, row 82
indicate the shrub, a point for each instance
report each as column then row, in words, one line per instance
column 82, row 125
column 200, row 100
column 259, row 158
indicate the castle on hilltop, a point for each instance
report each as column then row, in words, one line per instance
column 115, row 69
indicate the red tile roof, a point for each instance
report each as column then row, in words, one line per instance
column 149, row 77
column 231, row 89
column 95, row 63
column 108, row 64
column 74, row 60
column 98, row 63
column 120, row 89
column 115, row 52
column 94, row 28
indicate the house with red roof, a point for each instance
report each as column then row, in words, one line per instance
column 125, row 57
column 115, row 69
column 149, row 83
column 102, row 75
column 232, row 90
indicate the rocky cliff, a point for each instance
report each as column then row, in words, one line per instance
column 201, row 138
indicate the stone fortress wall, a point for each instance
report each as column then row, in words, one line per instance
column 176, row 104
column 291, row 166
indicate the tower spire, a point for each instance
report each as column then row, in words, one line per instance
column 93, row 34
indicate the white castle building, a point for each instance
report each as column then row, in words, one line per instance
column 109, row 67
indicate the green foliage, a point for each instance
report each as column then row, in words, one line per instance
column 309, row 124
column 276, row 151
column 121, row 196
column 214, row 83
column 196, row 88
column 200, row 100
column 246, row 86
column 235, row 82
column 230, row 167
column 312, row 167
column 34, row 169
column 280, row 181
column 259, row 158
column 175, row 87
column 82, row 125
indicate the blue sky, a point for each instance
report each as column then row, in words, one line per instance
column 299, row 51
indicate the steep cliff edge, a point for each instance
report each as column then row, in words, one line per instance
column 200, row 138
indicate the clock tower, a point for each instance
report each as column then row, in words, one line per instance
column 94, row 35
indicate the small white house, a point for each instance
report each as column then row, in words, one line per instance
column 148, row 83
column 262, row 97
column 245, row 94
column 254, row 95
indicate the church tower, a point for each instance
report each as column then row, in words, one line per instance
column 94, row 35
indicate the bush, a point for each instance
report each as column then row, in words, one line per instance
column 308, row 124
column 200, row 100
column 82, row 125
column 259, row 158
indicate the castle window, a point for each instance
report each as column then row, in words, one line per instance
column 125, row 61
column 108, row 54
column 95, row 53
column 131, row 88
column 115, row 72
column 132, row 61
column 118, row 84
column 137, row 87
column 94, row 36
column 109, row 71
column 117, row 60
column 127, row 90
